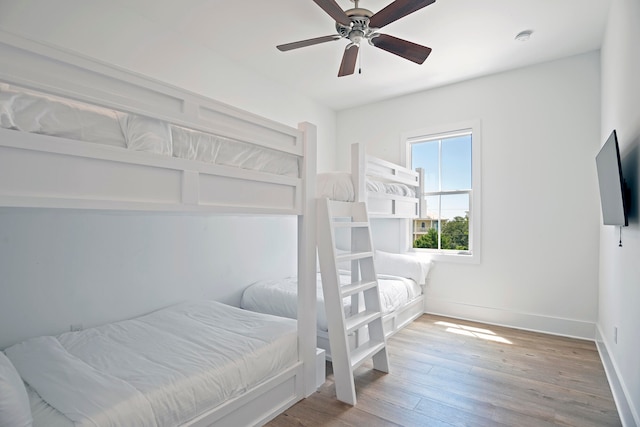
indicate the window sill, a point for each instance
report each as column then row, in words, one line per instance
column 456, row 258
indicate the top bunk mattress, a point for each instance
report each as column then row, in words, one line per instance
column 31, row 111
column 162, row 369
column 339, row 186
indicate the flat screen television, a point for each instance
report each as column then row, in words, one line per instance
column 613, row 197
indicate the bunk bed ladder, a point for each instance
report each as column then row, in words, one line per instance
column 352, row 217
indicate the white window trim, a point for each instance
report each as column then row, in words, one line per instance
column 475, row 202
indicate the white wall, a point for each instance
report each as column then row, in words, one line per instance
column 59, row 268
column 619, row 290
column 540, row 212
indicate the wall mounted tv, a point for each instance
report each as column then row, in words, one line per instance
column 613, row 194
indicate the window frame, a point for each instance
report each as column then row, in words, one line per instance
column 475, row 195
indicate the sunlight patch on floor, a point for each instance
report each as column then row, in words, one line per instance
column 471, row 331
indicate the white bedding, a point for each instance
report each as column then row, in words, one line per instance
column 339, row 186
column 279, row 297
column 49, row 115
column 45, row 414
column 34, row 112
column 194, row 145
column 390, row 188
column 162, row 369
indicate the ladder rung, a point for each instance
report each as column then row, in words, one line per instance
column 350, row 224
column 355, row 287
column 357, row 321
column 365, row 352
column 352, row 256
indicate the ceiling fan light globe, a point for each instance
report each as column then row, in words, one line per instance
column 356, row 36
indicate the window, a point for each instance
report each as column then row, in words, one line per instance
column 450, row 222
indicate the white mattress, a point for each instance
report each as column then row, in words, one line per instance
column 205, row 147
column 374, row 186
column 44, row 414
column 28, row 111
column 34, row 112
column 339, row 186
column 162, row 369
column 279, row 297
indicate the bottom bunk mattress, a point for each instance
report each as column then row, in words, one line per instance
column 162, row 369
column 280, row 297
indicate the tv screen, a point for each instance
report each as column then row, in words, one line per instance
column 612, row 188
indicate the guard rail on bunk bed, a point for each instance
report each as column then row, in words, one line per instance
column 390, row 190
column 41, row 170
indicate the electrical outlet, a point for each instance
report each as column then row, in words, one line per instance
column 75, row 327
column 615, row 335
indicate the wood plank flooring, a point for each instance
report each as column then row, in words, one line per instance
column 449, row 372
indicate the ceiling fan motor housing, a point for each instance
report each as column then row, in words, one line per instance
column 359, row 28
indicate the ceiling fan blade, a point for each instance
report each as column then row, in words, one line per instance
column 408, row 50
column 309, row 42
column 397, row 10
column 335, row 11
column 348, row 65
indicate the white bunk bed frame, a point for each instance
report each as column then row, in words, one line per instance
column 391, row 323
column 380, row 205
column 39, row 171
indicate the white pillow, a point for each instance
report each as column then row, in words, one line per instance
column 335, row 186
column 146, row 134
column 14, row 402
column 402, row 265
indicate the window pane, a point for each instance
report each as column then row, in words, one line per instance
column 456, row 163
column 454, row 205
column 425, row 155
column 455, row 222
column 425, row 229
column 432, row 206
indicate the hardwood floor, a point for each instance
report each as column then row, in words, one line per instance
column 449, row 372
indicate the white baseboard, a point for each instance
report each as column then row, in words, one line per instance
column 628, row 414
column 513, row 319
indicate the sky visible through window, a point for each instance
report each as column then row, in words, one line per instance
column 455, row 173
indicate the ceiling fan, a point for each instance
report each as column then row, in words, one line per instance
column 359, row 24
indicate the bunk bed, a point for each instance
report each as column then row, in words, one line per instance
column 401, row 281
column 136, row 144
column 392, row 192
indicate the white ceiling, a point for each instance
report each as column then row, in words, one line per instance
column 469, row 38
